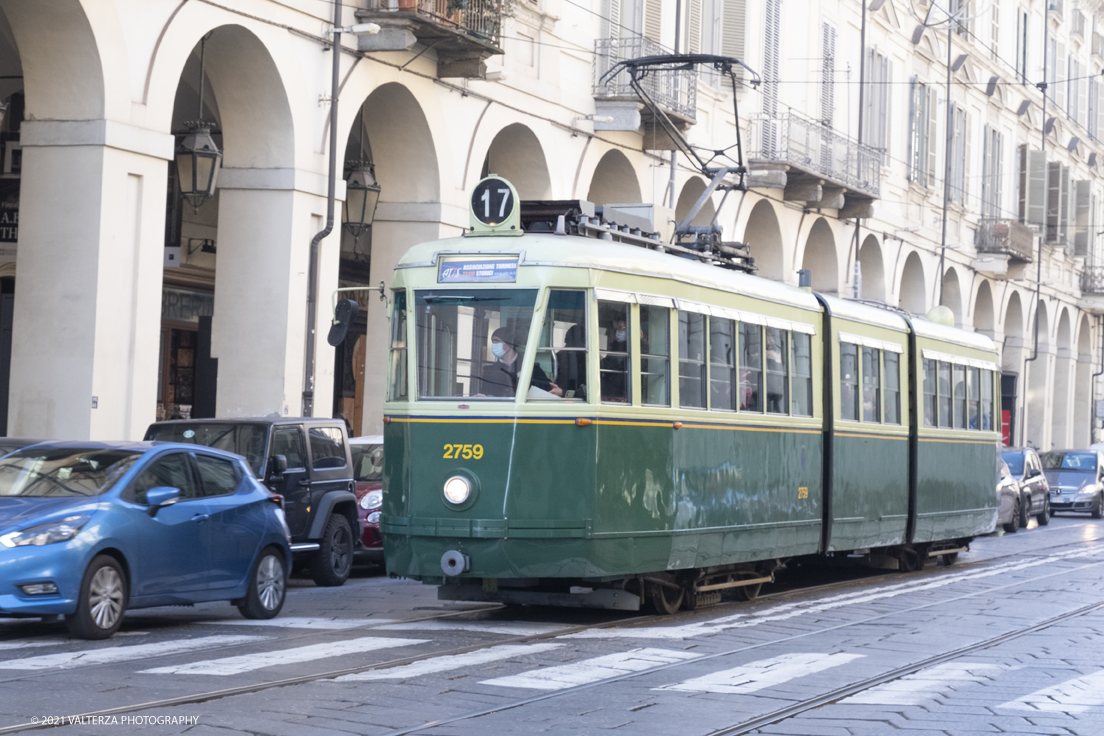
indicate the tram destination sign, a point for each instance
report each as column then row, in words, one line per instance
column 474, row 268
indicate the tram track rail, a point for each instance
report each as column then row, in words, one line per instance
column 777, row 716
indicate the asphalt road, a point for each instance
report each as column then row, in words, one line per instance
column 1007, row 640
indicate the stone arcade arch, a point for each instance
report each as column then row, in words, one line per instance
column 820, row 258
column 1038, row 380
column 1012, row 365
column 983, row 310
column 873, row 269
column 691, row 190
column 1083, row 388
column 614, row 180
column 517, row 155
column 763, row 234
column 912, row 293
column 952, row 295
column 1064, row 363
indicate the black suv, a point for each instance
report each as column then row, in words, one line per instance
column 306, row 461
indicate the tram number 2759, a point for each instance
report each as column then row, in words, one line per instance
column 467, row 452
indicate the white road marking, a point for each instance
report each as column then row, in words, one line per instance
column 765, row 673
column 293, row 622
column 249, row 662
column 109, row 655
column 450, row 662
column 921, row 687
column 506, row 627
column 786, row 611
column 592, row 670
column 1072, row 696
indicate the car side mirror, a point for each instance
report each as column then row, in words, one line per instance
column 161, row 496
column 277, row 465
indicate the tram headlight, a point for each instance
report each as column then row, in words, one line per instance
column 457, row 489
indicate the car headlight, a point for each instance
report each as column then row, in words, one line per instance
column 457, row 489
column 373, row 518
column 371, row 500
column 51, row 533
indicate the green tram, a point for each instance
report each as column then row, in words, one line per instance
column 573, row 420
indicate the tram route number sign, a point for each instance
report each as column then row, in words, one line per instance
column 492, row 201
column 478, row 269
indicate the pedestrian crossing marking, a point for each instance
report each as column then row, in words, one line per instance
column 921, row 687
column 295, row 622
column 1072, row 696
column 449, row 662
column 519, row 628
column 259, row 660
column 109, row 655
column 765, row 673
column 592, row 670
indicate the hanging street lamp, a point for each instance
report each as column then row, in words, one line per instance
column 197, row 156
column 362, row 193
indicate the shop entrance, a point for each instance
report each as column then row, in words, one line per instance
column 188, row 375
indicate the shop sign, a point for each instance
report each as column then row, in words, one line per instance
column 9, row 219
column 186, row 306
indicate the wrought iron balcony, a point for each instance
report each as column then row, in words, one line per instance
column 814, row 152
column 463, row 33
column 1092, row 281
column 1005, row 237
column 676, row 92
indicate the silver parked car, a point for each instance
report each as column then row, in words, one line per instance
column 1008, row 500
column 1027, row 470
column 1076, row 480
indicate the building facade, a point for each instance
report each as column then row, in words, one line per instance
column 121, row 302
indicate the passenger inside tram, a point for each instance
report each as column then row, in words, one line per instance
column 614, row 363
column 571, row 364
column 500, row 378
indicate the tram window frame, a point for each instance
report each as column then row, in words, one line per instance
column 655, row 367
column 958, row 396
column 559, row 354
column 776, row 377
column 399, row 384
column 750, row 391
column 607, row 358
column 724, row 377
column 688, row 365
column 973, row 397
column 986, row 406
column 801, row 375
column 943, row 394
column 889, row 417
column 871, row 388
column 849, row 349
column 931, row 398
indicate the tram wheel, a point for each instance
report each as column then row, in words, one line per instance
column 747, row 592
column 666, row 600
column 909, row 560
column 948, row 559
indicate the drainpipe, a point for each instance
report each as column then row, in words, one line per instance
column 331, row 191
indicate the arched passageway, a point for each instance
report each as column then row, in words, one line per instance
column 1012, row 367
column 517, row 155
column 820, row 258
column 952, row 295
column 1038, row 380
column 1063, row 381
column 691, row 191
column 983, row 310
column 614, row 181
column 764, row 237
column 913, row 291
column 872, row 268
column 1083, row 388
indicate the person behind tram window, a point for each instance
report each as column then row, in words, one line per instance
column 501, row 377
column 615, row 361
column 571, row 364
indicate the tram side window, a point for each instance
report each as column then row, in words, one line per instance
column 655, row 355
column 943, row 385
column 778, row 384
column 802, row 375
column 892, row 387
column 398, row 347
column 692, row 376
column 849, row 381
column 987, row 401
column 974, row 398
column 931, row 404
column 562, row 353
column 722, row 364
column 959, row 396
column 613, row 352
column 751, row 367
column 872, row 384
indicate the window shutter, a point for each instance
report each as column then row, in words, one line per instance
column 827, row 73
column 1099, row 110
column 994, row 17
column 694, row 27
column 1036, row 189
column 887, row 99
column 965, row 156
column 1021, row 183
column 1054, row 199
column 733, row 18
column 1091, row 123
column 914, row 130
column 933, row 138
column 1082, row 195
column 1082, row 100
column 998, row 174
column 1064, row 207
column 986, row 181
column 770, row 57
column 1060, row 87
column 1021, row 31
column 614, row 23
column 653, row 20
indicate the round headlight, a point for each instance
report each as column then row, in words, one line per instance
column 374, row 517
column 371, row 500
column 457, row 489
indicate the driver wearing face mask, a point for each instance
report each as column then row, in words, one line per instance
column 501, row 377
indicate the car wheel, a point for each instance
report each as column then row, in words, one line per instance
column 1043, row 517
column 267, row 586
column 1013, row 525
column 334, row 559
column 1025, row 512
column 102, row 601
column 1098, row 506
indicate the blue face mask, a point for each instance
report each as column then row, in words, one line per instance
column 498, row 348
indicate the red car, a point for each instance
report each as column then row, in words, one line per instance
column 368, row 473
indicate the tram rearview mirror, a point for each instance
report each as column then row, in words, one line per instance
column 344, row 314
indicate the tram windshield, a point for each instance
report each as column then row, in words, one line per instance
column 471, row 342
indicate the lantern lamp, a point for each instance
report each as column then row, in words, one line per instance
column 362, row 193
column 197, row 164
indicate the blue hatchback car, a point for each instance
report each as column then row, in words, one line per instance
column 89, row 530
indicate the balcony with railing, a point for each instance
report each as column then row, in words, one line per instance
column 1005, row 237
column 822, row 165
column 463, row 33
column 675, row 92
column 1092, row 290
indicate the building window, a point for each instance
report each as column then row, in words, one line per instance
column 992, row 150
column 922, row 134
column 961, row 153
column 1021, row 45
column 879, row 73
